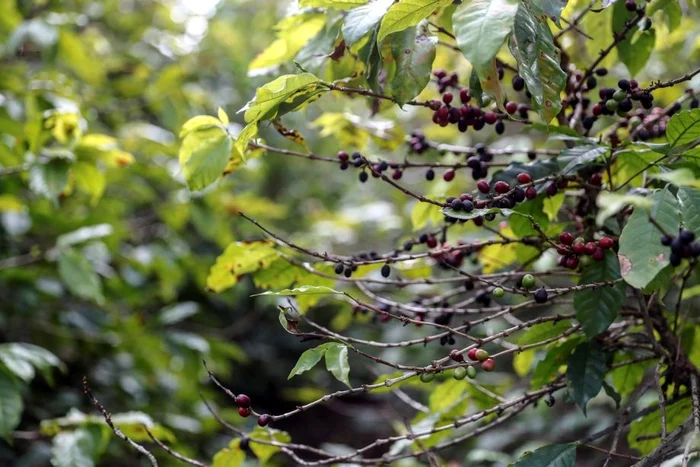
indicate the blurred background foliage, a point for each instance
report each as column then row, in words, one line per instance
column 104, row 252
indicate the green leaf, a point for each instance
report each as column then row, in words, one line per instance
column 361, row 20
column 596, row 309
column 634, row 51
column 550, row 8
column 651, row 424
column 84, row 234
column 554, row 455
column 203, row 160
column 475, row 213
column 78, row 448
column 200, row 122
column 551, row 206
column 689, row 199
column 308, row 360
column 239, row 258
column 406, row 13
column 543, row 331
column 548, row 367
column 229, row 457
column 612, row 203
column 627, row 378
column 337, row 362
column 538, row 169
column 610, row 391
column 683, row 128
column 49, row 179
column 79, row 276
column 481, row 28
column 22, row 358
column 10, row 405
column 265, row 451
column 446, row 394
column 339, row 4
column 678, row 177
column 414, row 52
column 572, row 159
column 303, row 290
column 532, row 45
column 641, row 254
column 585, row 373
column 521, row 225
column 282, row 95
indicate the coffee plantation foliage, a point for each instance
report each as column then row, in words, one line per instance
column 349, row 232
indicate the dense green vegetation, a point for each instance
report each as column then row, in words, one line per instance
column 334, row 232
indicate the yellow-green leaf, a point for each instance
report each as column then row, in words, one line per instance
column 406, row 13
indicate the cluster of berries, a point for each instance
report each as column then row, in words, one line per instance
column 682, row 246
column 476, row 355
column 376, row 169
column 575, row 251
column 243, row 402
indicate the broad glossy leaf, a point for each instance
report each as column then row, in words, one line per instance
column 414, row 52
column 361, row 20
column 77, row 448
column 538, row 60
column 572, row 159
column 205, row 162
column 293, row 90
column 554, row 455
column 79, row 276
column 683, row 128
column 689, row 199
column 534, row 209
column 49, row 179
column 446, row 394
column 228, row 457
column 596, row 309
column 308, row 360
column 585, row 372
column 265, row 451
column 10, row 404
column 550, row 8
column 634, row 51
column 481, row 28
column 537, row 169
column 650, row 424
column 627, row 378
column 22, row 359
column 239, row 258
column 612, row 203
column 200, row 122
column 548, row 368
column 475, row 213
column 406, row 13
column 84, row 234
column 337, row 362
column 641, row 254
column 293, row 34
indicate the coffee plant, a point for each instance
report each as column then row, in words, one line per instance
column 482, row 217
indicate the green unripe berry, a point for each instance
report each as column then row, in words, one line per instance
column 427, row 377
column 528, row 281
column 611, row 105
column 481, row 355
column 635, row 122
column 585, row 261
column 498, row 292
column 619, row 95
column 460, row 373
column 621, row 113
column 579, row 240
column 471, row 372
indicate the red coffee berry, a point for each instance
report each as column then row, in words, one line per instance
column 466, row 197
column 531, row 192
column 264, row 419
column 566, row 238
column 501, row 187
column 597, row 109
column 449, row 175
column 579, row 248
column 490, row 118
column 472, row 353
column 551, row 189
column 605, row 243
column 464, row 95
column 343, row 156
column 243, row 401
column 483, row 186
column 511, row 107
column 590, row 248
column 396, row 174
column 524, row 177
column 596, row 179
column 243, row 412
column 572, row 262
column 599, row 254
column 447, row 97
column 431, row 242
column 488, row 364
column 456, row 356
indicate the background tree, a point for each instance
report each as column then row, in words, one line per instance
column 479, row 216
